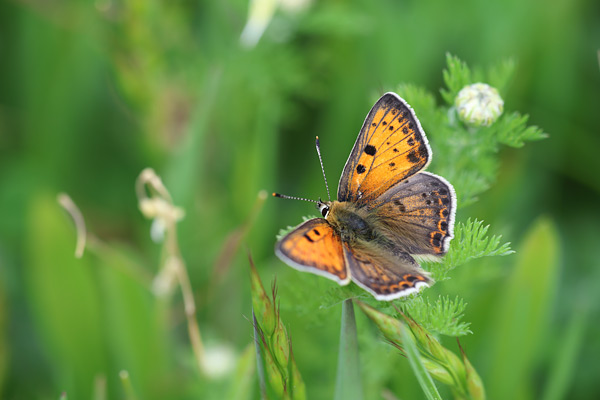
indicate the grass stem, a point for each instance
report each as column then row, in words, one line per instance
column 348, row 384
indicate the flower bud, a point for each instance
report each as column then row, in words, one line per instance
column 263, row 307
column 479, row 104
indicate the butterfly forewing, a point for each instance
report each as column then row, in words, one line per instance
column 417, row 214
column 314, row 247
column 390, row 147
column 386, row 277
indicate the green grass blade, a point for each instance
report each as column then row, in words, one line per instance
column 522, row 314
column 128, row 389
column 348, row 384
column 64, row 298
column 242, row 382
column 564, row 366
column 418, row 368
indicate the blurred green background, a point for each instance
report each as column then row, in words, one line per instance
column 92, row 92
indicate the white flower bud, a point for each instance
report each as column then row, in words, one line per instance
column 479, row 104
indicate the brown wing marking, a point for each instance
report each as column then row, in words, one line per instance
column 418, row 214
column 390, row 147
column 388, row 277
column 314, row 247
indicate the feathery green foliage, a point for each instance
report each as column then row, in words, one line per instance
column 443, row 316
column 471, row 241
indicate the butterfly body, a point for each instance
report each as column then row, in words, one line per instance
column 350, row 222
column 389, row 211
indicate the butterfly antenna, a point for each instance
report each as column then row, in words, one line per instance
column 322, row 169
column 283, row 196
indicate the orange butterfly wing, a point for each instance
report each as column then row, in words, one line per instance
column 314, row 247
column 390, row 147
column 386, row 277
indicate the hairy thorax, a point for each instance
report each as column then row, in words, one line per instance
column 352, row 223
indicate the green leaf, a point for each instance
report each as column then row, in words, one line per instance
column 242, row 381
column 139, row 336
column 564, row 366
column 130, row 392
column 64, row 298
column 522, row 313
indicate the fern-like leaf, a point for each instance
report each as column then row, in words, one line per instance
column 442, row 316
column 470, row 242
column 512, row 130
column 456, row 76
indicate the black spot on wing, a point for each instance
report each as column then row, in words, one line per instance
column 400, row 205
column 412, row 157
column 370, row 150
column 360, row 168
column 436, row 239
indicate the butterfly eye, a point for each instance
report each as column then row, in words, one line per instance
column 324, row 210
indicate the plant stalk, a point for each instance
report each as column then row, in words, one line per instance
column 348, row 384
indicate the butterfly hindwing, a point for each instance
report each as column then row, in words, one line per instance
column 390, row 147
column 417, row 214
column 386, row 276
column 314, row 247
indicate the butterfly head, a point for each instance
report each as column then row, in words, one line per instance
column 324, row 207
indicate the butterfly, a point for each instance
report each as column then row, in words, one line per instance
column 389, row 212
